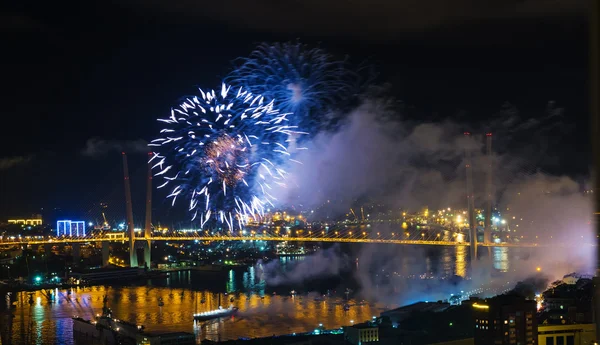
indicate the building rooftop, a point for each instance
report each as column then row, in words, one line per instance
column 328, row 339
column 502, row 300
column 419, row 306
column 364, row 325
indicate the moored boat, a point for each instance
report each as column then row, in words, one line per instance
column 214, row 314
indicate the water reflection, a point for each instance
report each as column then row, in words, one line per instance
column 48, row 321
column 501, row 258
column 231, row 281
column 461, row 261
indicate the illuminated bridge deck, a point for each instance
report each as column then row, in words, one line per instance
column 435, row 241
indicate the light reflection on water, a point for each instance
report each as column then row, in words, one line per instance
column 461, row 261
column 49, row 323
column 261, row 313
column 501, row 258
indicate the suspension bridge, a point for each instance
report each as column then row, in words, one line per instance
column 340, row 233
column 440, row 238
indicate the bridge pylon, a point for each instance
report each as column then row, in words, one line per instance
column 133, row 262
column 471, row 204
column 148, row 224
column 105, row 253
column 487, row 232
column 146, row 243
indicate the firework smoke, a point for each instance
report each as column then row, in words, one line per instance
column 408, row 165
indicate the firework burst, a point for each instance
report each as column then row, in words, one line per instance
column 305, row 81
column 222, row 151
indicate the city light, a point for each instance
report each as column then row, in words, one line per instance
column 481, row 306
column 70, row 228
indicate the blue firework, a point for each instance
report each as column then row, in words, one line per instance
column 221, row 152
column 305, row 81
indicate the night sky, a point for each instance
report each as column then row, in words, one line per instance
column 84, row 80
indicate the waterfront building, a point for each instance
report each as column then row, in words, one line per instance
column 70, row 228
column 35, row 220
column 362, row 333
column 399, row 314
column 505, row 320
column 568, row 302
column 576, row 334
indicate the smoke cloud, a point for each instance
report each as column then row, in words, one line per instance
column 324, row 263
column 376, row 155
column 395, row 162
column 95, row 147
column 10, row 162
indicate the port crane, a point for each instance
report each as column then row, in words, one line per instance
column 105, row 226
